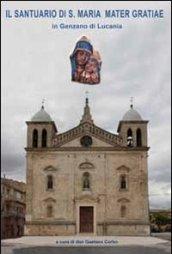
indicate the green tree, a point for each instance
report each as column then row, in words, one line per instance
column 160, row 220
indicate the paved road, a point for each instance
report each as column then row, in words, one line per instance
column 158, row 249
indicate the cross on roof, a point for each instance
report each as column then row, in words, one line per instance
column 86, row 95
column 43, row 101
column 131, row 102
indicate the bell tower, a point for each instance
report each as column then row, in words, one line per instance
column 41, row 129
column 133, row 129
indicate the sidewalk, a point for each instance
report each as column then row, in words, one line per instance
column 69, row 241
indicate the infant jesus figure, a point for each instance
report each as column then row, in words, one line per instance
column 91, row 74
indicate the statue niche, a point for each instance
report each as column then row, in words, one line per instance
column 86, row 181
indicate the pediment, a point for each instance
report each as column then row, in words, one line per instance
column 50, row 168
column 96, row 142
column 49, row 200
column 123, row 200
column 100, row 137
column 86, row 165
column 123, row 168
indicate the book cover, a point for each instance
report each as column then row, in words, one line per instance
column 86, row 117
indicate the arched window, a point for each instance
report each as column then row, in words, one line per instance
column 139, row 137
column 123, row 210
column 123, row 182
column 49, row 182
column 44, row 138
column 129, row 137
column 49, row 211
column 129, row 133
column 86, row 181
column 35, row 138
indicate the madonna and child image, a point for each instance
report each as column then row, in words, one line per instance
column 85, row 63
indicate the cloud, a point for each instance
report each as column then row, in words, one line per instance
column 160, row 195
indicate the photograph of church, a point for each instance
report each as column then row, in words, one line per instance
column 87, row 181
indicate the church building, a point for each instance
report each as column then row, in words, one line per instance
column 87, row 180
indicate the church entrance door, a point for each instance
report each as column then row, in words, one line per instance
column 86, row 219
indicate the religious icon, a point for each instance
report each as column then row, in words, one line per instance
column 85, row 63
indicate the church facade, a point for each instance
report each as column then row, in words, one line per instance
column 87, row 180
